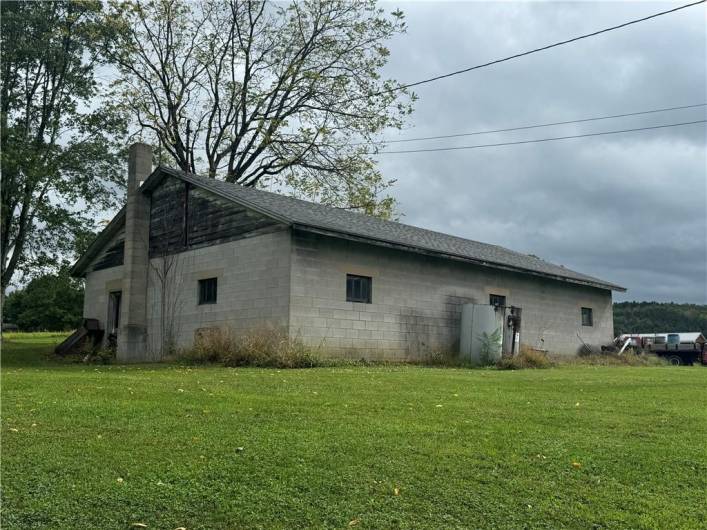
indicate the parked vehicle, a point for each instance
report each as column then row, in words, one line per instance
column 677, row 348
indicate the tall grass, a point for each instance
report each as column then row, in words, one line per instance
column 526, row 358
column 612, row 359
column 263, row 348
column 273, row 348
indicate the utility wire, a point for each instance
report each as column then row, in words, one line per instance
column 522, row 54
column 537, row 140
column 525, row 127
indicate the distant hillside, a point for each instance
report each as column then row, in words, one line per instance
column 648, row 317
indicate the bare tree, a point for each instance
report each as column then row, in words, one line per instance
column 257, row 91
column 165, row 275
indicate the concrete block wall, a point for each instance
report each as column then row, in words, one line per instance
column 416, row 302
column 253, row 276
column 298, row 282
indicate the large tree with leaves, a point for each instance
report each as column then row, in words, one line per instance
column 60, row 162
column 260, row 92
column 51, row 302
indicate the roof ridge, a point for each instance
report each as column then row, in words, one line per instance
column 315, row 216
column 351, row 212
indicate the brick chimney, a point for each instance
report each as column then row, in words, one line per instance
column 132, row 335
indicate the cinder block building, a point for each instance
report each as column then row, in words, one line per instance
column 188, row 253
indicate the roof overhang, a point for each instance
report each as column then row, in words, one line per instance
column 156, row 177
column 79, row 268
column 456, row 257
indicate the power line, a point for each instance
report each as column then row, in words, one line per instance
column 522, row 54
column 459, row 148
column 525, row 127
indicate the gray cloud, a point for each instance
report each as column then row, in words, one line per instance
column 627, row 208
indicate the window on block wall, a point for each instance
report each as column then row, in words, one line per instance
column 207, row 291
column 358, row 288
column 497, row 300
column 587, row 316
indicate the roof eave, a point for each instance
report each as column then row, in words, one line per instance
column 420, row 250
column 160, row 172
column 457, row 257
column 78, row 269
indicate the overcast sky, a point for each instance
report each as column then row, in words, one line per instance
column 631, row 208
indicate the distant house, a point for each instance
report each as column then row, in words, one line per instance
column 188, row 253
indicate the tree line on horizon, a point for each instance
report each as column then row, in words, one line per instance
column 659, row 317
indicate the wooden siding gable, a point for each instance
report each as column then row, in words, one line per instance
column 185, row 217
column 112, row 254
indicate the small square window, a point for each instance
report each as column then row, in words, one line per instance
column 587, row 316
column 358, row 288
column 497, row 300
column 207, row 291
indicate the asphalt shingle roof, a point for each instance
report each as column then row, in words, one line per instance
column 305, row 214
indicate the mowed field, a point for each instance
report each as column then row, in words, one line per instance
column 168, row 446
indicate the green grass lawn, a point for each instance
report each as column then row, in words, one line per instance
column 385, row 447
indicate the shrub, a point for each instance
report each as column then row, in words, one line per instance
column 491, row 345
column 272, row 349
column 210, row 346
column 438, row 358
column 527, row 358
column 100, row 356
column 265, row 348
